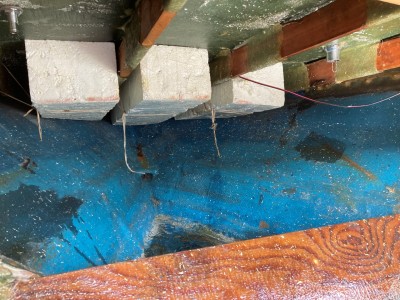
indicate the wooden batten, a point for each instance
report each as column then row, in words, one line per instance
column 357, row 259
column 388, row 56
column 336, row 20
column 331, row 22
column 150, row 12
column 153, row 18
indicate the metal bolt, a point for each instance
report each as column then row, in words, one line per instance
column 332, row 52
column 13, row 12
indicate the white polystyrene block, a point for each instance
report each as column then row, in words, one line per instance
column 66, row 75
column 176, row 73
column 168, row 81
column 241, row 95
column 237, row 97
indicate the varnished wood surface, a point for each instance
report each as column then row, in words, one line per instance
column 335, row 20
column 358, row 260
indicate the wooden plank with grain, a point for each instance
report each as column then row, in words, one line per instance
column 153, row 17
column 333, row 21
column 358, row 260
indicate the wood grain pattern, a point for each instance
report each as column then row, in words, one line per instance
column 388, row 55
column 340, row 18
column 149, row 12
column 358, row 260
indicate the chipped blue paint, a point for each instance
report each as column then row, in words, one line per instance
column 265, row 183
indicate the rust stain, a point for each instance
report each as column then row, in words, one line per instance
column 263, row 225
column 352, row 163
column 141, row 158
column 356, row 166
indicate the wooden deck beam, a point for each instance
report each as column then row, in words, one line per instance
column 358, row 260
column 388, row 55
column 142, row 31
column 338, row 19
column 356, row 63
column 377, row 20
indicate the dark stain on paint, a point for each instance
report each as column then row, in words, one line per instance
column 289, row 191
column 263, row 225
column 29, row 216
column 320, row 148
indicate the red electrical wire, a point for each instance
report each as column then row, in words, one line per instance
column 316, row 101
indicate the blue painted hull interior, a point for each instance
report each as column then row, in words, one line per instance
column 69, row 202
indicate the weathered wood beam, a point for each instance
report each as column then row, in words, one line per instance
column 388, row 55
column 355, row 63
column 149, row 20
column 338, row 19
column 387, row 81
column 358, row 260
column 341, row 20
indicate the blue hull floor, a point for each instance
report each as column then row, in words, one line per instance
column 69, row 202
